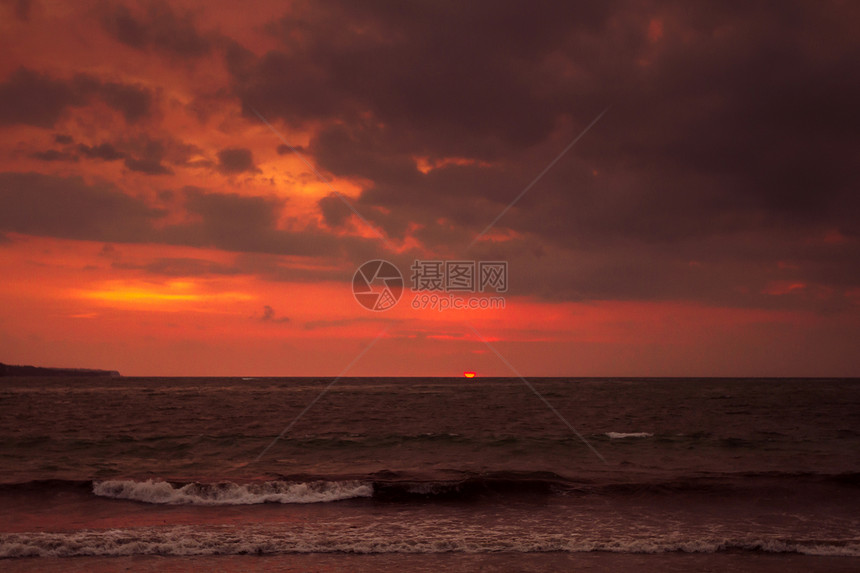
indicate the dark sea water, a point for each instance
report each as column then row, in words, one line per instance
column 425, row 474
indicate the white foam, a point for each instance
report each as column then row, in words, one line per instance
column 275, row 539
column 229, row 493
column 622, row 435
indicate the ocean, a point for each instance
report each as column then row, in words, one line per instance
column 426, row 474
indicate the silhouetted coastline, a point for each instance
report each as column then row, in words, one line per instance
column 14, row 370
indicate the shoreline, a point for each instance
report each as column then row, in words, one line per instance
column 595, row 562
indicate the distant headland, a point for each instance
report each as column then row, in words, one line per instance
column 10, row 370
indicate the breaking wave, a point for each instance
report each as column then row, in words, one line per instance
column 229, row 493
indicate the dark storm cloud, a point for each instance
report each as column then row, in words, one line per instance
column 104, row 151
column 36, row 204
column 148, row 155
column 27, row 97
column 32, row 98
column 147, row 166
column 335, row 212
column 731, row 270
column 454, row 74
column 142, row 153
column 744, row 115
column 179, row 267
column 228, row 214
column 729, row 153
column 135, row 103
column 728, row 124
column 68, row 207
column 156, row 27
column 250, row 225
column 54, row 155
column 235, row 160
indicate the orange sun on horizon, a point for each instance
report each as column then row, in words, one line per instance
column 469, row 374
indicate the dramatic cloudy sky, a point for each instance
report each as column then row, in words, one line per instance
column 187, row 188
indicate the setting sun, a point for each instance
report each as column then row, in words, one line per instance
column 469, row 374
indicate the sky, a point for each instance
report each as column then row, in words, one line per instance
column 188, row 188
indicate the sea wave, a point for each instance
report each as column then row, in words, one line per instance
column 395, row 486
column 228, row 540
column 229, row 493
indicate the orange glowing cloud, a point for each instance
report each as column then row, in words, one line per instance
column 120, row 293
